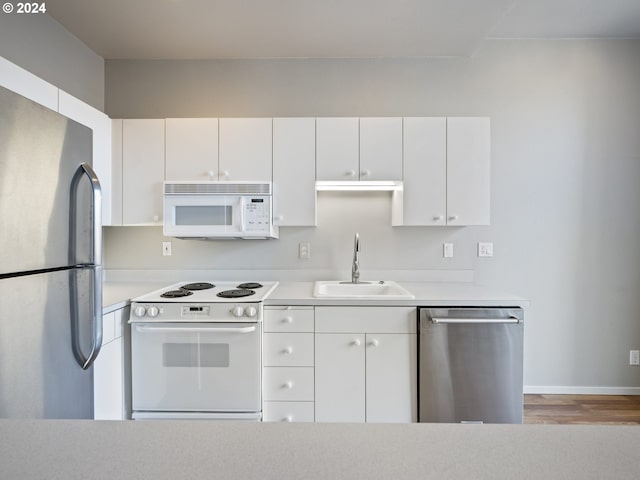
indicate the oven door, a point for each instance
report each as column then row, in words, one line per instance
column 197, row 367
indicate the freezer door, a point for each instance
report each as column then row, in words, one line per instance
column 40, row 151
column 39, row 375
column 470, row 365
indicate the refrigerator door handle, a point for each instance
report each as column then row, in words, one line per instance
column 86, row 361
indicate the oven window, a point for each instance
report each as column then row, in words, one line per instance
column 195, row 354
column 204, row 215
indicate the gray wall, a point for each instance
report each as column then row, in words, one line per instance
column 42, row 46
column 565, row 181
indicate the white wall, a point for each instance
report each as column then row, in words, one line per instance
column 39, row 44
column 565, row 181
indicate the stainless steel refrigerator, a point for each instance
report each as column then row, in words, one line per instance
column 50, row 263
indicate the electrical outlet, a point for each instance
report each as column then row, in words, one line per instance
column 304, row 250
column 447, row 250
column 485, row 249
column 634, row 357
column 166, row 249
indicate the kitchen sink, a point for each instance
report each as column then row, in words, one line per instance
column 373, row 290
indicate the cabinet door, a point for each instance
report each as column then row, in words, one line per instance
column 425, row 171
column 245, row 149
column 97, row 121
column 380, row 148
column 116, row 172
column 468, row 170
column 294, row 171
column 142, row 171
column 108, row 371
column 337, row 148
column 191, row 149
column 340, row 377
column 391, row 378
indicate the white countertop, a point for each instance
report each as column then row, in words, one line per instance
column 425, row 293
column 81, row 449
column 117, row 295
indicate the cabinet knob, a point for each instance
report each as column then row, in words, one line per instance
column 287, row 320
column 288, row 418
column 279, row 218
column 453, row 217
column 225, row 174
column 356, row 342
column 365, row 173
column 374, row 342
column 211, row 174
column 438, row 218
column 288, row 350
column 288, row 385
column 350, row 173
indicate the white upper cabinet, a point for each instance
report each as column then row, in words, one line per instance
column 85, row 114
column 446, row 171
column 28, row 85
column 191, row 149
column 381, row 148
column 142, row 171
column 468, row 170
column 425, row 171
column 294, row 171
column 245, row 149
column 337, row 148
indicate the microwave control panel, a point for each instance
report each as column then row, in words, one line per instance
column 257, row 214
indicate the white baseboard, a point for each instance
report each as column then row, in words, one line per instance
column 562, row 390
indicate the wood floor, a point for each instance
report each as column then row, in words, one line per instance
column 582, row 409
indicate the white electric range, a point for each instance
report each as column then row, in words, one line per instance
column 196, row 351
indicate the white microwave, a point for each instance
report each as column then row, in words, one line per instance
column 218, row 210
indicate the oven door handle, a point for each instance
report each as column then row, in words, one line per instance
column 150, row 329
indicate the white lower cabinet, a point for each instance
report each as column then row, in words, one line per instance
column 288, row 412
column 366, row 361
column 288, row 359
column 110, row 371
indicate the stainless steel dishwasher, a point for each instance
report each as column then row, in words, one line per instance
column 470, row 365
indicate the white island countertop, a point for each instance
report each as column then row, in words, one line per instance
column 82, row 449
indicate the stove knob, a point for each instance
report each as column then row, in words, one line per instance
column 251, row 311
column 153, row 311
column 237, row 311
column 140, row 311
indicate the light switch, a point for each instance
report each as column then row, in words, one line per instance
column 447, row 250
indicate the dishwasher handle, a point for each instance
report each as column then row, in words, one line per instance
column 446, row 320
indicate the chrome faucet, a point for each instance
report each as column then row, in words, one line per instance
column 355, row 266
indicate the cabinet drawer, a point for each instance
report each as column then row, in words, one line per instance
column 288, row 349
column 366, row 319
column 288, row 412
column 288, row 384
column 288, row 319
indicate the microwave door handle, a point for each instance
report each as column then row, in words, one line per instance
column 152, row 329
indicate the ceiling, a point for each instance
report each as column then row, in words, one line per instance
column 207, row 29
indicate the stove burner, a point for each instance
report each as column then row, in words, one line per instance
column 235, row 293
column 176, row 293
column 249, row 285
column 198, row 286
